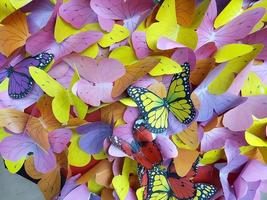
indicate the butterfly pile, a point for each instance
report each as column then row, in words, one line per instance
column 133, row 99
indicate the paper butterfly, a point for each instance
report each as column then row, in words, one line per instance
column 20, row 82
column 63, row 98
column 155, row 110
column 167, row 185
column 142, row 149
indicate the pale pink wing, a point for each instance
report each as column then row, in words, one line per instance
column 120, row 9
column 240, row 117
column 205, row 51
column 63, row 73
column 216, row 138
column 92, row 93
column 261, row 71
column 84, row 65
column 20, row 104
column 59, row 139
column 166, row 43
column 259, row 37
column 239, row 27
column 131, row 12
column 110, row 70
column 166, row 146
column 183, row 55
column 44, row 162
column 106, row 70
column 44, row 41
column 206, row 29
column 16, row 147
column 78, row 13
column 80, row 191
column 81, row 41
column 105, row 24
column 139, row 44
column 130, row 115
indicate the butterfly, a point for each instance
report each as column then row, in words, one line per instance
column 142, row 149
column 63, row 98
column 165, row 184
column 20, row 82
column 155, row 110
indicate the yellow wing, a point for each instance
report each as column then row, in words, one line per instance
column 152, row 107
column 158, row 187
column 204, row 191
column 178, row 98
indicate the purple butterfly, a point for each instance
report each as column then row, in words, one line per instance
column 20, row 82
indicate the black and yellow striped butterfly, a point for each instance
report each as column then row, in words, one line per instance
column 165, row 184
column 155, row 110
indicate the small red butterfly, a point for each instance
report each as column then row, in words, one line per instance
column 142, row 149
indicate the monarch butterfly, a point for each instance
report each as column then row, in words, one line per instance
column 142, row 149
column 165, row 184
column 155, row 110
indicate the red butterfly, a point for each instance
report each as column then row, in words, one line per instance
column 143, row 149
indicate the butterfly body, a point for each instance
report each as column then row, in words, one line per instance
column 9, row 71
column 20, row 81
column 155, row 110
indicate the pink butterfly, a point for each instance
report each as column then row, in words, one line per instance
column 232, row 32
column 97, row 78
column 78, row 13
column 17, row 146
column 44, row 40
column 131, row 12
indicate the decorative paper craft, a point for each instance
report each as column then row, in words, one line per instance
column 13, row 33
column 20, row 83
column 97, row 78
column 63, row 98
column 96, row 125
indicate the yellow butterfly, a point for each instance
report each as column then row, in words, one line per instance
column 63, row 98
column 155, row 110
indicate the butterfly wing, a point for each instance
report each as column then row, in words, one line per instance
column 239, row 27
column 3, row 75
column 182, row 187
column 41, row 61
column 178, row 97
column 20, row 85
column 151, row 154
column 204, row 191
column 141, row 134
column 20, row 81
column 152, row 108
column 140, row 154
column 158, row 187
column 61, row 102
column 122, row 145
